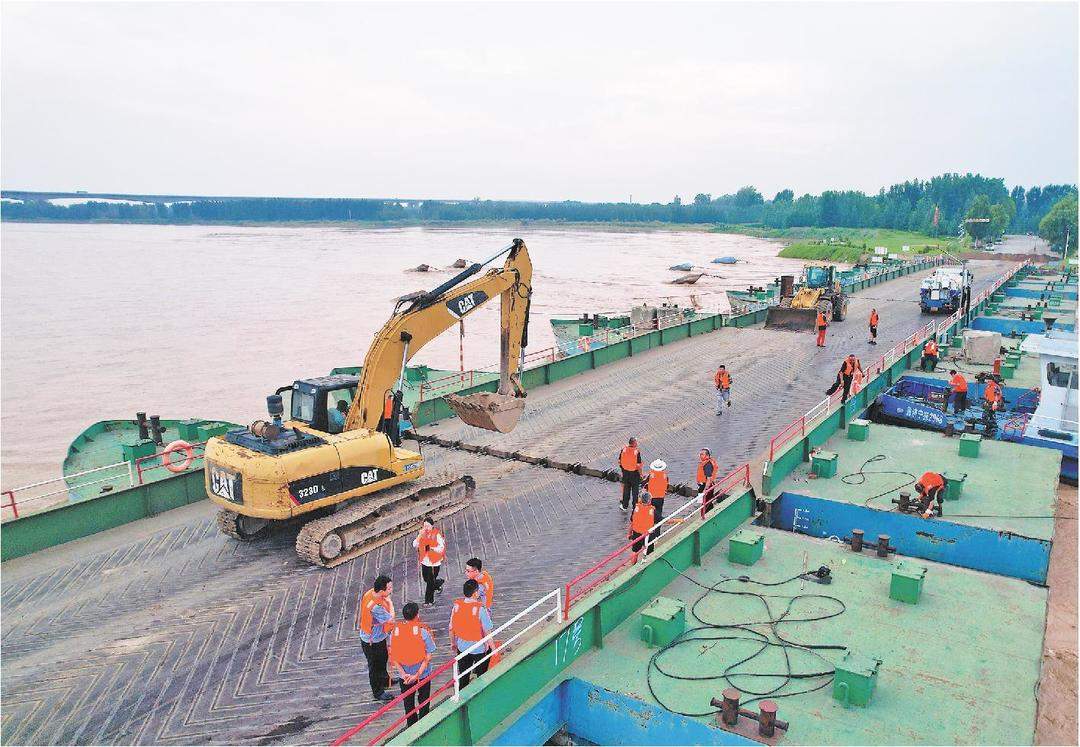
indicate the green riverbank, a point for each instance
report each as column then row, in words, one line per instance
column 848, row 244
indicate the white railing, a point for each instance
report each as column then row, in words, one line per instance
column 555, row 613
column 15, row 500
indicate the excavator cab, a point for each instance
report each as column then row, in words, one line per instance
column 311, row 400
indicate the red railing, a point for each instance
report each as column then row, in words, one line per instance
column 624, row 556
column 737, row 476
column 897, row 351
column 397, row 703
column 785, row 435
column 11, row 502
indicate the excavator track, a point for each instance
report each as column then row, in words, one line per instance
column 381, row 517
column 232, row 524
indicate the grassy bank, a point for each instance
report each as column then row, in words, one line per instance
column 848, row 244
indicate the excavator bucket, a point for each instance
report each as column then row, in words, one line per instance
column 488, row 410
column 785, row 317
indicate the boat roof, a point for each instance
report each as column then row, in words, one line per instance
column 1060, row 343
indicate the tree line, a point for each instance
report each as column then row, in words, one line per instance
column 937, row 206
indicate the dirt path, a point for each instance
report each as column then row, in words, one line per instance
column 1056, row 722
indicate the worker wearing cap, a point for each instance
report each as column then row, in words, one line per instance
column 630, row 465
column 431, row 546
column 958, row 394
column 641, row 523
column 722, row 380
column 822, row 324
column 929, row 359
column 656, row 484
column 931, row 487
column 873, row 326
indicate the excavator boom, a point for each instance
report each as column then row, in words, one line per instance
column 421, row 317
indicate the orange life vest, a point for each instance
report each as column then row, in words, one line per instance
column 406, row 642
column 431, row 539
column 701, row 469
column 643, row 519
column 465, row 620
column 821, row 320
column 958, row 383
column 367, row 602
column 722, row 379
column 630, row 458
column 658, row 483
column 992, row 391
column 931, row 480
column 873, row 318
column 488, row 583
column 849, row 366
column 388, row 408
column 930, row 348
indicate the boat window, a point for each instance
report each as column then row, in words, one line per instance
column 303, row 406
column 1062, row 375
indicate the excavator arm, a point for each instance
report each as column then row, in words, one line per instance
column 421, row 317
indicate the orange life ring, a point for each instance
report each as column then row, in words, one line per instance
column 183, row 464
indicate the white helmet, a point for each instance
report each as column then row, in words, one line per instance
column 658, row 466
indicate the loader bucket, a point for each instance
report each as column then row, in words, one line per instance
column 783, row 317
column 488, row 410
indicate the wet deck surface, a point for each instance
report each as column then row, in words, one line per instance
column 164, row 631
column 937, row 661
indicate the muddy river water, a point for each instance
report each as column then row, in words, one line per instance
column 101, row 321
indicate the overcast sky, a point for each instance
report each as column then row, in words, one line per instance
column 532, row 101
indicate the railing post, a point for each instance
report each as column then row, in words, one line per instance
column 11, row 496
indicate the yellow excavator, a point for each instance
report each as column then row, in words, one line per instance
column 361, row 488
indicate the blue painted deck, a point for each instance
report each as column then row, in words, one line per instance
column 963, row 545
column 604, row 717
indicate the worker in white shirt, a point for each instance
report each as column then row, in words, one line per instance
column 431, row 544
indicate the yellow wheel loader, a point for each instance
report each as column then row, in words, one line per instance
column 820, row 291
column 348, row 471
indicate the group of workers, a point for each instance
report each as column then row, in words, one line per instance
column 399, row 651
column 649, row 503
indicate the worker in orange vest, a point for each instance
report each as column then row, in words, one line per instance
column 931, row 486
column 873, row 326
column 641, row 523
column 706, row 470
column 958, row 394
column 411, row 647
column 722, row 380
column 656, row 485
column 822, row 324
column 849, row 368
column 992, row 395
column 630, row 464
column 929, row 358
column 431, row 545
column 376, row 617
column 470, row 623
column 388, row 424
column 474, row 571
